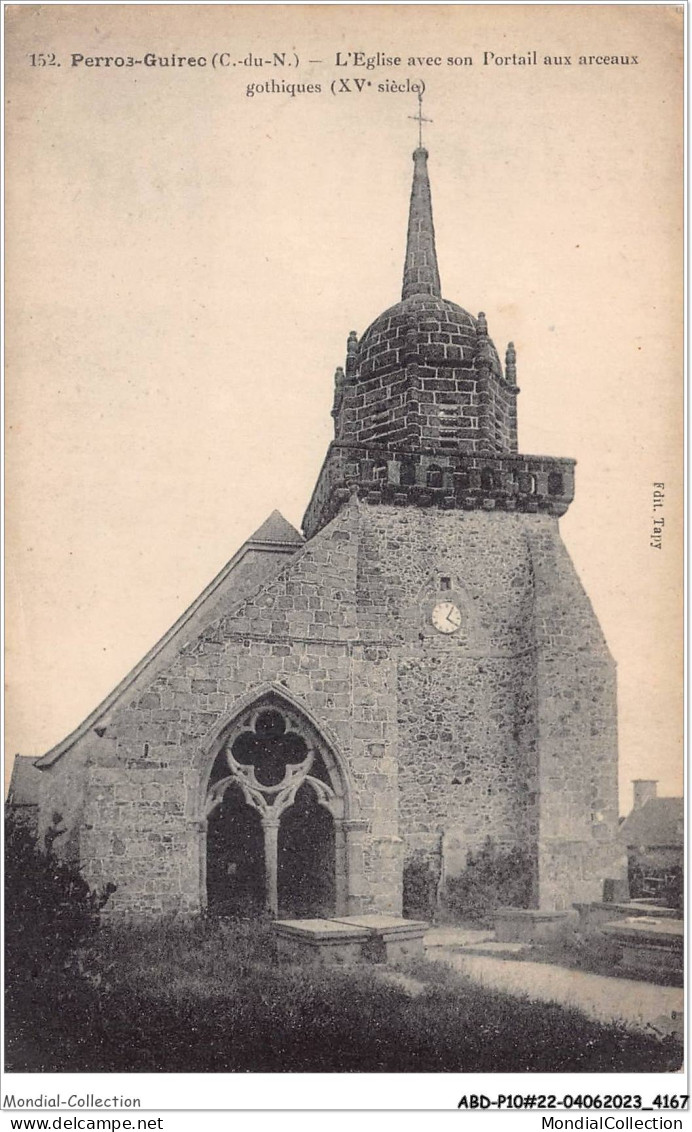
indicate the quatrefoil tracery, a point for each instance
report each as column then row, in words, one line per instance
column 270, row 801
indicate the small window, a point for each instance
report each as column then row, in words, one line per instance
column 434, row 475
column 487, row 479
column 555, row 484
column 445, row 583
column 408, row 473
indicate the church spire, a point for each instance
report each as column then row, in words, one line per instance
column 421, row 276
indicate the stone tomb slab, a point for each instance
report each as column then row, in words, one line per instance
column 320, row 942
column 594, row 914
column 390, row 938
column 531, row 925
column 649, row 946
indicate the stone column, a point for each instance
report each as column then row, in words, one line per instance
column 270, row 829
column 354, row 834
column 340, row 869
column 198, row 830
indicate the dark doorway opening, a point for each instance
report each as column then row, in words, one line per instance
column 235, row 858
column 306, row 858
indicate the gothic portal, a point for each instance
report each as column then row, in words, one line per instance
column 420, row 672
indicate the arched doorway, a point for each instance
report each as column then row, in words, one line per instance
column 235, row 858
column 275, row 808
column 306, row 872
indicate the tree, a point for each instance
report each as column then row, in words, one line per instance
column 49, row 907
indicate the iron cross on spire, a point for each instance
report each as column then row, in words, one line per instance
column 420, row 119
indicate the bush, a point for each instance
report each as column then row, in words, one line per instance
column 420, row 888
column 493, row 878
column 49, row 908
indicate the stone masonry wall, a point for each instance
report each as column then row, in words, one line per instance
column 62, row 790
column 505, row 728
column 466, row 702
column 577, row 734
column 439, row 479
column 144, row 827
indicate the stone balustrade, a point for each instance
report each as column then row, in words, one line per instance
column 449, row 480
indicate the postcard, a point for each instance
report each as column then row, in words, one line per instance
column 344, row 459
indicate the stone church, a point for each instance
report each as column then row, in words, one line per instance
column 418, row 671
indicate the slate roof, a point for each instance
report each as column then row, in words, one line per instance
column 24, row 783
column 660, row 821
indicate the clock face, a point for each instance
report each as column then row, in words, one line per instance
column 446, row 617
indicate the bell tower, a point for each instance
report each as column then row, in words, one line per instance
column 424, row 410
column 503, row 684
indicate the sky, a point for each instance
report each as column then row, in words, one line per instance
column 185, row 261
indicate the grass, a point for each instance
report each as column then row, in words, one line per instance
column 592, row 951
column 206, row 997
